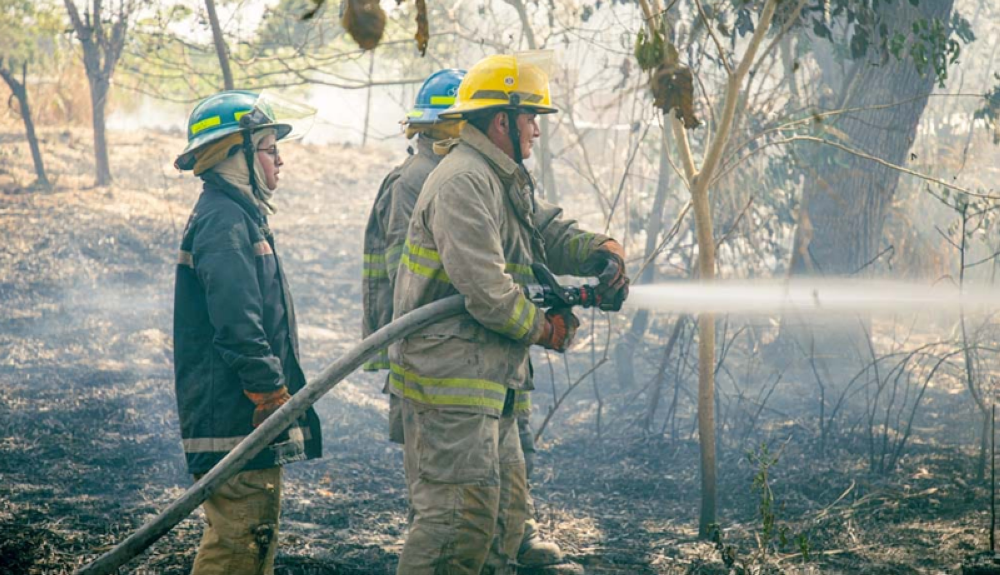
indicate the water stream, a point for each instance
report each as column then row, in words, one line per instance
column 812, row 296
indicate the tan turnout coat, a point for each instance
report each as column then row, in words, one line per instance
column 476, row 230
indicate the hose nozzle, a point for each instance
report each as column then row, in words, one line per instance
column 548, row 293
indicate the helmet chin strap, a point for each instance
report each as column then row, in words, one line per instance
column 515, row 137
column 515, row 141
column 513, row 131
column 248, row 152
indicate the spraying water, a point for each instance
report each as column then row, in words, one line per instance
column 812, row 296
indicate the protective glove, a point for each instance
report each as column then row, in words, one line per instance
column 267, row 403
column 559, row 329
column 607, row 262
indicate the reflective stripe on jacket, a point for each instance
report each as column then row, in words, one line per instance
column 476, row 230
column 385, row 235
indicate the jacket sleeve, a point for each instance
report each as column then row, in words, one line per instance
column 567, row 245
column 397, row 223
column 467, row 234
column 225, row 263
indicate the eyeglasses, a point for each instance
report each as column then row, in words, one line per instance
column 272, row 151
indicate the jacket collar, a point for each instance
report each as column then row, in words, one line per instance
column 426, row 147
column 518, row 181
column 505, row 165
column 216, row 182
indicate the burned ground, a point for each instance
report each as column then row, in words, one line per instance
column 89, row 442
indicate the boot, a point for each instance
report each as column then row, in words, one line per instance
column 539, row 557
column 536, row 552
column 560, row 569
column 492, row 570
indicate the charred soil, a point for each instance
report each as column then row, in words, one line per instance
column 90, row 448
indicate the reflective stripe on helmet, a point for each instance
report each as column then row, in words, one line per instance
column 498, row 95
column 205, row 124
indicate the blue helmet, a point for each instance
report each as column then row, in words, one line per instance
column 436, row 95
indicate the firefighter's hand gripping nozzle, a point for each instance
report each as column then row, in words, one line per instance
column 547, row 293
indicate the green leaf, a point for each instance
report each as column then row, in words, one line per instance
column 962, row 28
column 744, row 22
column 896, row 45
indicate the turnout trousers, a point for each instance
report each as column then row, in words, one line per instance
column 468, row 491
column 242, row 532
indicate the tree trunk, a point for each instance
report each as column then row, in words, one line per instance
column 102, row 37
column 625, row 350
column 36, row 150
column 699, row 181
column 706, row 364
column 844, row 211
column 220, row 45
column 789, row 63
column 20, row 91
column 99, row 99
column 368, row 100
column 661, row 375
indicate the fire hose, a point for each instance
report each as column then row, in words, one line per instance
column 548, row 293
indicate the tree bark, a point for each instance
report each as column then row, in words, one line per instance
column 20, row 90
column 98, row 102
column 220, row 45
column 840, row 228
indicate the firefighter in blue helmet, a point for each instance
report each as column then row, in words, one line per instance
column 384, row 241
column 390, row 215
column 236, row 354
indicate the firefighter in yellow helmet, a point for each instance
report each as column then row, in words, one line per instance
column 475, row 230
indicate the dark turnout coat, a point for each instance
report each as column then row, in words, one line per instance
column 234, row 331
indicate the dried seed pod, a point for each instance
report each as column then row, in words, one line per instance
column 364, row 20
column 423, row 28
column 673, row 89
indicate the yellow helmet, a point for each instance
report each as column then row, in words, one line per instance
column 502, row 82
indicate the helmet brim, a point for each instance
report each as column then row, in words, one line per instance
column 425, row 117
column 186, row 159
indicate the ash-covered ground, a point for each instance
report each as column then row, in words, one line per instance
column 90, row 448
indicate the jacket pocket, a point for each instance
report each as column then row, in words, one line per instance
column 456, row 447
column 448, row 349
